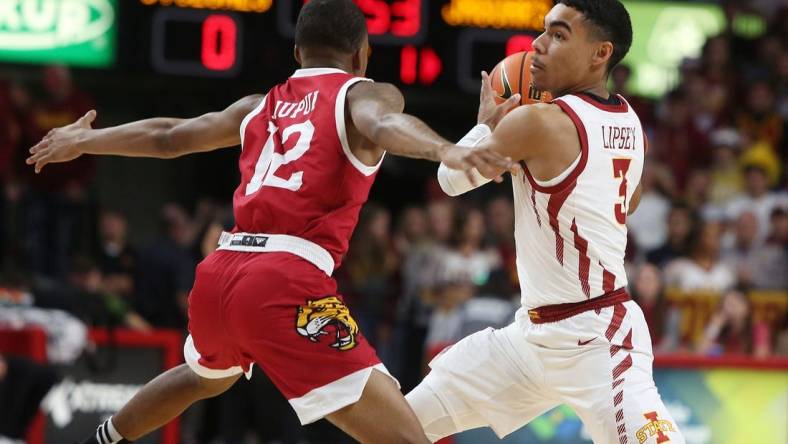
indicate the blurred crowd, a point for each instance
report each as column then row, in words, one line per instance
column 707, row 254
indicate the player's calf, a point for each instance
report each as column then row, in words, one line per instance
column 156, row 404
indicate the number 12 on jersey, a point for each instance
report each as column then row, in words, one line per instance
column 620, row 169
column 270, row 161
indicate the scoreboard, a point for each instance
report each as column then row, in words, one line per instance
column 422, row 43
column 414, row 42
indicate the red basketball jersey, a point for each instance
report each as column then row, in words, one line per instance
column 298, row 175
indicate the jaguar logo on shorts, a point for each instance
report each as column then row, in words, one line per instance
column 327, row 316
column 655, row 427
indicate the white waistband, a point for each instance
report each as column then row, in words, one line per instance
column 262, row 243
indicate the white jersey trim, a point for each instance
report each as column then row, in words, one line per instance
column 564, row 174
column 339, row 111
column 283, row 243
column 570, row 174
column 192, row 358
column 308, row 72
column 327, row 399
column 258, row 109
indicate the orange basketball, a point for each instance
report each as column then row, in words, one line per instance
column 512, row 75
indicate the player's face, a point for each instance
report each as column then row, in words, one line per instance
column 567, row 56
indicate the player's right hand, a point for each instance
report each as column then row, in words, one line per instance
column 488, row 162
column 60, row 144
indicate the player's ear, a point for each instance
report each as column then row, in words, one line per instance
column 358, row 64
column 602, row 54
column 297, row 54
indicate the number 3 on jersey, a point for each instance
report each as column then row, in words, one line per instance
column 620, row 169
column 270, row 160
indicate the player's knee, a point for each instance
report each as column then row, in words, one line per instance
column 205, row 387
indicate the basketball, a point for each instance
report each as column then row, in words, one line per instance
column 512, row 75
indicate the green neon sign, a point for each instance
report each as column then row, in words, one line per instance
column 664, row 34
column 72, row 32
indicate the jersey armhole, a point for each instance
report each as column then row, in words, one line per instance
column 363, row 168
column 578, row 165
column 257, row 110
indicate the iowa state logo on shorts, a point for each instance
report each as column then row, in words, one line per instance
column 655, row 428
column 327, row 316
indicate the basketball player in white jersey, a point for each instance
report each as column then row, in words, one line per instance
column 578, row 339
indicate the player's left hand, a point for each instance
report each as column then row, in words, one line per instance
column 490, row 113
column 60, row 144
column 488, row 162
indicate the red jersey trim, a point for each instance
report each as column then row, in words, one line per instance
column 558, row 312
column 581, row 165
column 623, row 107
column 363, row 168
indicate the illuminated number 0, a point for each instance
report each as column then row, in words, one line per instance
column 270, row 161
column 620, row 168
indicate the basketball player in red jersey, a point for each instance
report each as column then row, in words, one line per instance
column 310, row 150
column 578, row 339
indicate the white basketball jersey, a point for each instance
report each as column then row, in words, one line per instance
column 571, row 231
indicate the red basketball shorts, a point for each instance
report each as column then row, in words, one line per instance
column 281, row 312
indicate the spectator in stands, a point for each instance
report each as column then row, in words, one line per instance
column 621, row 78
column 726, row 174
column 648, row 292
column 759, row 120
column 116, row 257
column 57, row 206
column 467, row 251
column 414, row 245
column 759, row 265
column 702, row 270
column 368, row 280
column 732, row 329
column 500, row 219
column 677, row 142
column 680, row 222
column 648, row 225
column 757, row 199
column 165, row 271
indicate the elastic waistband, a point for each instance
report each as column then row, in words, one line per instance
column 558, row 312
column 283, row 243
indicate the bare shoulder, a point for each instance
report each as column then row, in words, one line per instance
column 375, row 92
column 542, row 118
column 246, row 104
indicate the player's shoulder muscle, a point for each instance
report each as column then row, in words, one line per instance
column 535, row 128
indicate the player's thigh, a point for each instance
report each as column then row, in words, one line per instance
column 490, row 378
column 381, row 415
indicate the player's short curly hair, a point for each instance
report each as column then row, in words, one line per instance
column 333, row 24
column 611, row 22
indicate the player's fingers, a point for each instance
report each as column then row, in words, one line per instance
column 469, row 174
column 498, row 179
column 41, row 162
column 34, row 158
column 39, row 146
column 512, row 102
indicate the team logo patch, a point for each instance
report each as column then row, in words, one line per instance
column 327, row 316
column 655, row 427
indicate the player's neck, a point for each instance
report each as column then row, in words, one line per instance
column 325, row 63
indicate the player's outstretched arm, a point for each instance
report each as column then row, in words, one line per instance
column 160, row 137
column 376, row 111
column 454, row 182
